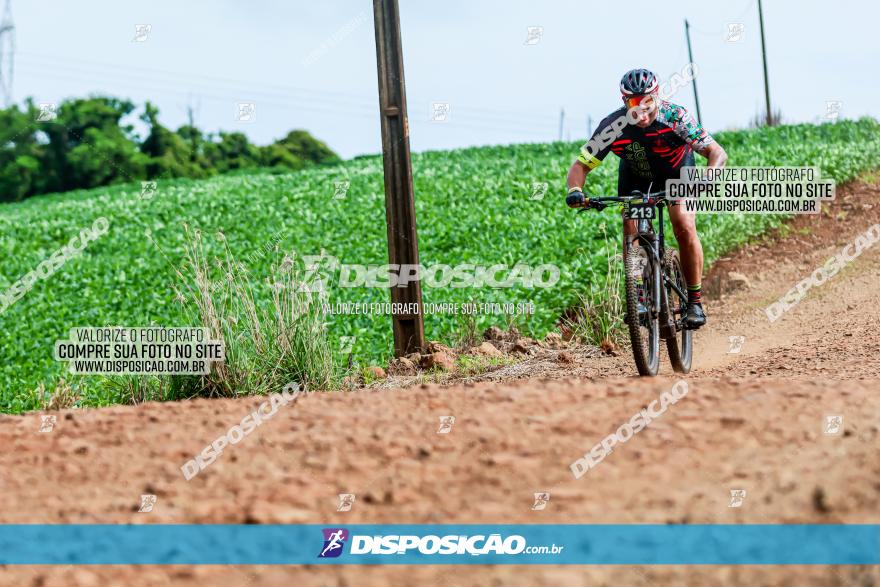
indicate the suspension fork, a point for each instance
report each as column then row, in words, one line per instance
column 648, row 242
column 651, row 243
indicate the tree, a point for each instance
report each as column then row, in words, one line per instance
column 90, row 142
column 89, row 146
column 20, row 155
column 305, row 147
column 169, row 153
column 232, row 151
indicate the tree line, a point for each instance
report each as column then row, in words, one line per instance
column 90, row 142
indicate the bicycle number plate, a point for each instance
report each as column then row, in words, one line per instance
column 640, row 212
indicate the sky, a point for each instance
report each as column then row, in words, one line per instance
column 313, row 65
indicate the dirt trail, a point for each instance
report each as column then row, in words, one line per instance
column 831, row 333
column 752, row 420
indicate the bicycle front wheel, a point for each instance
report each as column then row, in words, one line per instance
column 642, row 309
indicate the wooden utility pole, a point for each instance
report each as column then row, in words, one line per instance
column 770, row 121
column 400, row 207
column 687, row 34
column 561, row 121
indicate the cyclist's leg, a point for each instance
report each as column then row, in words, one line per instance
column 626, row 183
column 684, row 225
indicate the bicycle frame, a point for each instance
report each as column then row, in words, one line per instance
column 659, row 251
column 654, row 243
column 649, row 315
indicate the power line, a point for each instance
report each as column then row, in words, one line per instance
column 210, row 83
column 190, row 76
column 463, row 117
column 460, row 120
column 747, row 10
column 7, row 53
column 720, row 33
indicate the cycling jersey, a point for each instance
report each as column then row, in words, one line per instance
column 649, row 155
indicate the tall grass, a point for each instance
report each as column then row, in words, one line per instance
column 273, row 330
column 598, row 316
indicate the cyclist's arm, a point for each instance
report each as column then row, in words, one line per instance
column 577, row 175
column 715, row 154
column 693, row 133
column 592, row 152
column 584, row 164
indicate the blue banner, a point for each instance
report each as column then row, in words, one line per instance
column 412, row 544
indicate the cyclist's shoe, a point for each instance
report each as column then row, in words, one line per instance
column 694, row 316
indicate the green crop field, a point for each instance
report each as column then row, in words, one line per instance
column 473, row 206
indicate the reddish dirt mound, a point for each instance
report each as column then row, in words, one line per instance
column 752, row 419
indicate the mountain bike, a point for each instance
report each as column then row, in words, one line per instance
column 656, row 291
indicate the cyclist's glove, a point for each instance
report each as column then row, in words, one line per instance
column 575, row 199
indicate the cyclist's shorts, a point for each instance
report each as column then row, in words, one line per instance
column 627, row 180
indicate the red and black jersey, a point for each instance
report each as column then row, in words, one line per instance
column 655, row 153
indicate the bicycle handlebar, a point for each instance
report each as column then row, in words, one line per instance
column 634, row 196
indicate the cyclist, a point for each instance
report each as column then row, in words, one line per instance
column 654, row 139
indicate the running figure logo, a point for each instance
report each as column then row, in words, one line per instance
column 534, row 34
column 539, row 189
column 446, row 423
column 334, row 541
column 341, row 189
column 346, row 500
column 833, row 425
column 47, row 423
column 148, row 189
column 541, row 501
column 737, row 497
column 735, row 345
column 735, row 32
column 47, row 112
column 147, row 503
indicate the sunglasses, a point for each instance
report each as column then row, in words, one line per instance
column 643, row 102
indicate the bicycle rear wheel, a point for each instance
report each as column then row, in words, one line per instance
column 642, row 309
column 680, row 344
